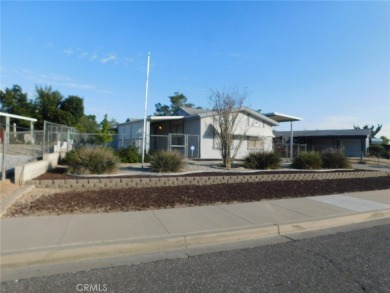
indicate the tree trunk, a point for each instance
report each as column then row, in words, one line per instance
column 228, row 164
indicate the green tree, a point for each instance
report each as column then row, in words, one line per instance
column 177, row 100
column 162, row 110
column 14, row 101
column 51, row 106
column 385, row 139
column 374, row 130
column 74, row 105
column 47, row 105
column 106, row 134
column 88, row 124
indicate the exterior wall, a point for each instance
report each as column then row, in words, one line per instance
column 201, row 135
column 192, row 126
column 253, row 128
column 131, row 129
column 132, row 132
column 352, row 147
column 207, row 149
column 260, row 127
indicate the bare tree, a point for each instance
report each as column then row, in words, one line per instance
column 227, row 107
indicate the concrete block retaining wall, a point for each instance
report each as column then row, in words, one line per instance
column 32, row 170
column 52, row 159
column 94, row 183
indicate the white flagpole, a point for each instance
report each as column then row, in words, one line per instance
column 146, row 107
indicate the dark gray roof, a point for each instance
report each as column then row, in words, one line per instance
column 327, row 133
column 189, row 111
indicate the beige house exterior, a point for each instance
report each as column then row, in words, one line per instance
column 193, row 133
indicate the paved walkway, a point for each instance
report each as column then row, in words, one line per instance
column 50, row 239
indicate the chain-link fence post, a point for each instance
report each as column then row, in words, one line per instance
column 5, row 139
column 44, row 137
column 67, row 140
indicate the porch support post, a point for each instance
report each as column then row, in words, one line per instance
column 7, row 124
column 32, row 138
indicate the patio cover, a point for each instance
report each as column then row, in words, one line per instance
column 165, row 118
column 279, row 117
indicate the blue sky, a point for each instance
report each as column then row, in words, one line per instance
column 327, row 62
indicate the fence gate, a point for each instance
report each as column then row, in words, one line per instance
column 193, row 146
column 177, row 143
column 185, row 144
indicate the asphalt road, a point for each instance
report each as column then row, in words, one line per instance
column 356, row 261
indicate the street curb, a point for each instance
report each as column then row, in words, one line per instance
column 13, row 197
column 88, row 251
column 325, row 223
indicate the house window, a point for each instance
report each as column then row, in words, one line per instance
column 255, row 143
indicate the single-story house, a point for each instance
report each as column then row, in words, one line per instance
column 354, row 142
column 192, row 132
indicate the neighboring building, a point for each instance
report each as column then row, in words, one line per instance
column 376, row 141
column 191, row 132
column 354, row 142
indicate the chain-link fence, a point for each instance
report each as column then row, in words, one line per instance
column 185, row 144
column 20, row 145
column 77, row 140
column 56, row 137
column 284, row 150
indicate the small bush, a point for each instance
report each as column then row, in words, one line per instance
column 92, row 160
column 166, row 162
column 385, row 153
column 148, row 156
column 69, row 157
column 129, row 155
column 334, row 160
column 307, row 160
column 375, row 150
column 262, row 160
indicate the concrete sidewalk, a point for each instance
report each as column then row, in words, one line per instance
column 31, row 241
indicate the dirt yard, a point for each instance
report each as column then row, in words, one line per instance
column 53, row 202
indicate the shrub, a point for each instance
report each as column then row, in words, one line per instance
column 385, row 153
column 166, row 162
column 92, row 160
column 334, row 160
column 262, row 160
column 375, row 150
column 129, row 155
column 307, row 160
column 148, row 156
column 69, row 157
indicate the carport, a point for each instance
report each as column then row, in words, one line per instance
column 353, row 142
